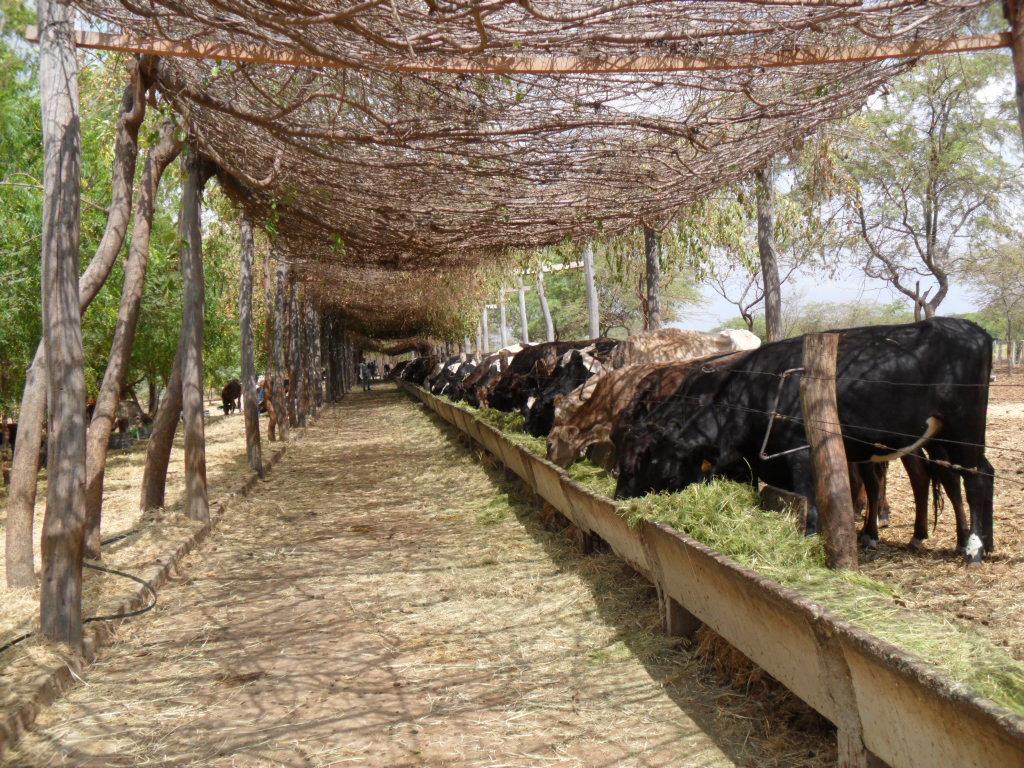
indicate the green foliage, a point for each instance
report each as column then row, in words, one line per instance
column 101, row 85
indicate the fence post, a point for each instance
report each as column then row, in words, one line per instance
column 828, row 455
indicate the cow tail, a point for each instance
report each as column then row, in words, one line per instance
column 937, row 501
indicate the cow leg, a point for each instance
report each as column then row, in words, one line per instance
column 917, row 471
column 872, row 477
column 860, row 497
column 950, row 482
column 883, row 502
column 979, row 494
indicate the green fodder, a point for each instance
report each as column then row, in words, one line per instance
column 592, row 477
column 500, row 420
column 726, row 517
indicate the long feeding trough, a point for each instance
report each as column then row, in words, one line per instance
column 883, row 702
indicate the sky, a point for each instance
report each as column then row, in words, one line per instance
column 845, row 287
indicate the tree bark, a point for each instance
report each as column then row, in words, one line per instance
column 593, row 313
column 295, row 414
column 765, row 193
column 190, row 344
column 60, row 603
column 522, row 311
column 503, row 318
column 161, row 441
column 652, row 248
column 1015, row 15
column 114, row 377
column 549, row 324
column 249, row 405
column 32, row 414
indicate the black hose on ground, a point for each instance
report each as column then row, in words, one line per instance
column 111, row 617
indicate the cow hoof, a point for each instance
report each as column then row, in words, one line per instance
column 974, row 549
column 867, row 542
column 973, row 561
column 917, row 545
column 883, row 521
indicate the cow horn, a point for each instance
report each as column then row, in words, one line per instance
column 934, row 424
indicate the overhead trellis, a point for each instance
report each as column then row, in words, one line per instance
column 386, row 187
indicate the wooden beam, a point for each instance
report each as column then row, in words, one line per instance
column 536, row 65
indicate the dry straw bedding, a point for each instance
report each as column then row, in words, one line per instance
column 386, row 599
column 156, row 532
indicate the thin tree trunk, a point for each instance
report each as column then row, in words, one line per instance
column 485, row 329
column 1014, row 10
column 593, row 313
column 503, row 317
column 295, row 414
column 190, row 345
column 549, row 325
column 60, row 603
column 522, row 311
column 278, row 368
column 765, row 193
column 652, row 248
column 161, row 441
column 114, row 377
column 250, row 406
column 32, row 414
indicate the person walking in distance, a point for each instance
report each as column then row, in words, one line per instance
column 365, row 376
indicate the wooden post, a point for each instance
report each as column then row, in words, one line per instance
column 503, row 316
column 593, row 314
column 190, row 345
column 522, row 310
column 549, row 325
column 485, row 330
column 828, row 455
column 60, row 601
column 249, row 405
column 764, row 184
column 652, row 255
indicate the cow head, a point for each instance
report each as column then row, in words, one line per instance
column 561, row 442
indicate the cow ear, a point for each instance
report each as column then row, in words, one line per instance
column 706, row 466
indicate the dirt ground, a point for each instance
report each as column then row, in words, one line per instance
column 157, row 532
column 386, row 600
column 990, row 597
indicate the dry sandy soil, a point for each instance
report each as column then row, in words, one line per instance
column 385, row 599
column 990, row 597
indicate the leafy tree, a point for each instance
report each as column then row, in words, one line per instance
column 924, row 174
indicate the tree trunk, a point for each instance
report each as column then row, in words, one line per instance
column 161, row 441
column 765, row 193
column 1015, row 15
column 503, row 317
column 60, row 603
column 249, row 405
column 522, row 311
column 593, row 313
column 190, row 344
column 549, row 325
column 32, row 414
column 485, row 329
column 652, row 248
column 295, row 414
column 114, row 377
column 278, row 368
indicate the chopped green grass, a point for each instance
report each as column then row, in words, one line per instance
column 726, row 517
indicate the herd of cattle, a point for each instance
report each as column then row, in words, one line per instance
column 665, row 409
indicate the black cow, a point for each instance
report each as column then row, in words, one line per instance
column 456, row 370
column 896, row 385
column 529, row 371
column 231, row 397
column 417, row 370
column 396, row 372
column 480, row 381
column 574, row 368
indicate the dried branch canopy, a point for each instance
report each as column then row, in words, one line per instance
column 386, row 190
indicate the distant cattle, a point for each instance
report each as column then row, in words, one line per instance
column 231, row 397
column 486, row 372
column 899, row 388
column 456, row 369
column 669, row 344
column 528, row 372
column 573, row 369
column 396, row 372
column 418, row 369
